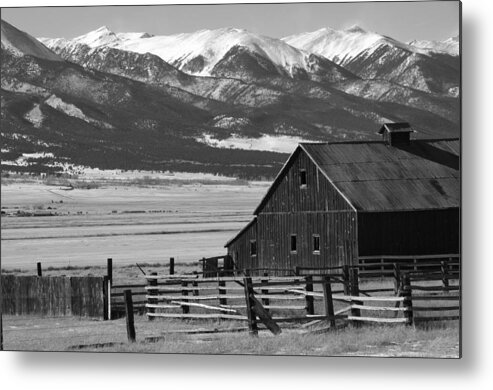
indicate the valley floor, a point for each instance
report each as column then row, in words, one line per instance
column 60, row 226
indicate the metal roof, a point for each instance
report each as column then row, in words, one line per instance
column 374, row 176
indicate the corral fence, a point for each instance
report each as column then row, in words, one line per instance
column 55, row 296
column 326, row 300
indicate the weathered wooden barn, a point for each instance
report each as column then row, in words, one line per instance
column 333, row 203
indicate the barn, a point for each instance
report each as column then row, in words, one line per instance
column 334, row 203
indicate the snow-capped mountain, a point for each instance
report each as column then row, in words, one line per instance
column 342, row 46
column 449, row 46
column 94, row 101
column 373, row 56
column 210, row 52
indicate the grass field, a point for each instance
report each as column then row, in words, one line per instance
column 127, row 223
column 61, row 334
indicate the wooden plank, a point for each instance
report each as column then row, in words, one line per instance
column 199, row 316
column 195, row 298
column 379, row 308
column 444, row 318
column 379, row 320
column 343, row 310
column 265, row 317
column 441, row 308
column 435, row 288
column 280, row 297
column 281, row 307
column 158, row 306
column 305, row 318
column 181, row 303
column 436, row 297
column 366, row 299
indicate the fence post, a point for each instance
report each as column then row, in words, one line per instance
column 105, row 298
column 109, row 282
column 171, row 265
column 252, row 323
column 265, row 301
column 129, row 312
column 406, row 292
column 310, row 309
column 222, row 291
column 184, row 292
column 152, row 291
column 109, row 267
column 397, row 278
column 329, row 304
column 196, row 291
column 40, row 271
column 354, row 275
column 444, row 269
column 345, row 279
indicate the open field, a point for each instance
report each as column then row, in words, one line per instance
column 60, row 334
column 127, row 223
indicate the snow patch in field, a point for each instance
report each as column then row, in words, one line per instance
column 281, row 143
column 118, row 174
column 22, row 160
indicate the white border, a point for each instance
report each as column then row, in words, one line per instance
column 474, row 371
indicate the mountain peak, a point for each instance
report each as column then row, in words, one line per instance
column 355, row 29
column 102, row 36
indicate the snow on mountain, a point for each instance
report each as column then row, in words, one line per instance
column 19, row 44
column 342, row 46
column 449, row 46
column 198, row 52
column 274, row 143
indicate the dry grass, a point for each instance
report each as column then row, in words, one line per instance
column 436, row 340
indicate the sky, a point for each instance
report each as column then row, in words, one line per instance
column 405, row 21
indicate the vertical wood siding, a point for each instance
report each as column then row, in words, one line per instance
column 338, row 239
column 239, row 250
column 319, row 194
column 424, row 232
column 53, row 296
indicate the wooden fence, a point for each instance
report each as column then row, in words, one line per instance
column 54, row 296
column 261, row 299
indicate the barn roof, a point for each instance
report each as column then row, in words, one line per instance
column 373, row 176
column 244, row 229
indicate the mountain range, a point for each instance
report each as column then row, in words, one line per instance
column 225, row 101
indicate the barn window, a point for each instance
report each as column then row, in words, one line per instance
column 253, row 248
column 293, row 243
column 316, row 243
column 303, row 178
